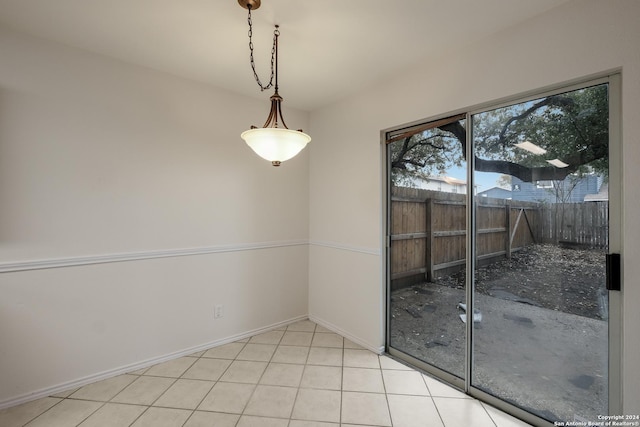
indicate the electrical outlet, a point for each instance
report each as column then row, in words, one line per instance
column 217, row 313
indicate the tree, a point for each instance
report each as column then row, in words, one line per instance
column 423, row 155
column 504, row 181
column 562, row 191
column 571, row 127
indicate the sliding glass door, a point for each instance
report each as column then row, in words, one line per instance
column 428, row 243
column 508, row 300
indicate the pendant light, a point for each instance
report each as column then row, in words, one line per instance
column 274, row 141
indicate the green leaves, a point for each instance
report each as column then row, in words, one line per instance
column 571, row 127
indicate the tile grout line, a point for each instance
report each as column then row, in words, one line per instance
column 163, row 393
column 175, row 380
column 386, row 395
column 423, row 375
column 93, row 412
column 304, row 369
column 139, row 416
column 432, row 399
column 193, row 411
column 244, row 344
column 103, row 403
column 46, row 410
column 151, row 404
column 487, row 412
column 58, row 403
column 255, row 386
column 262, row 375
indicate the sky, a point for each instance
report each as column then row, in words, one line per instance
column 483, row 180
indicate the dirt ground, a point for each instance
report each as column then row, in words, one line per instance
column 541, row 342
column 566, row 280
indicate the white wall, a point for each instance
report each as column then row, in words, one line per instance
column 578, row 39
column 103, row 161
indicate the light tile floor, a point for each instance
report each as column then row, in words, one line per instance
column 302, row 375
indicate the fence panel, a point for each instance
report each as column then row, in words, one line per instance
column 428, row 229
column 408, row 232
column 577, row 224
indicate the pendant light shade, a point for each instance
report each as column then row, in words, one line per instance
column 275, row 144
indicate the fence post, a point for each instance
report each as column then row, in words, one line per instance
column 507, row 227
column 428, row 250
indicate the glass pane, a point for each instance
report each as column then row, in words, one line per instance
column 427, row 253
column 541, row 239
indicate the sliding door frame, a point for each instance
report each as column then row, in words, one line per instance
column 614, row 79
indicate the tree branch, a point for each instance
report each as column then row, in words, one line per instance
column 524, row 173
column 557, row 101
column 598, row 148
column 402, row 159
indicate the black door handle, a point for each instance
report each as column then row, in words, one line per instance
column 614, row 280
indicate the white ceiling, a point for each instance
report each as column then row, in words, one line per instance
column 328, row 48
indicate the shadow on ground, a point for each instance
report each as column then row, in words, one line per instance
column 545, row 360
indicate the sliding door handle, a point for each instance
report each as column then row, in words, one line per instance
column 614, row 273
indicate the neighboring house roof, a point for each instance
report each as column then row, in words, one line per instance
column 496, row 192
column 446, row 184
column 601, row 196
column 449, row 180
column 569, row 190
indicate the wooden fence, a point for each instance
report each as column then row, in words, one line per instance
column 428, row 230
column 575, row 224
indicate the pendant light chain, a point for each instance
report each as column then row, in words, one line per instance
column 276, row 33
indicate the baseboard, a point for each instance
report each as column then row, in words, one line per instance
column 337, row 330
column 70, row 385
